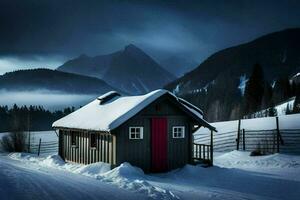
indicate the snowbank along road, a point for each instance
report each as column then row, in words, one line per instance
column 235, row 176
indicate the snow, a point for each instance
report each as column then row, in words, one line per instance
column 45, row 136
column 177, row 89
column 26, row 180
column 242, row 84
column 280, row 108
column 273, row 84
column 235, row 175
column 242, row 160
column 133, row 178
column 54, row 161
column 110, row 115
column 296, row 75
column 264, row 123
column 124, row 176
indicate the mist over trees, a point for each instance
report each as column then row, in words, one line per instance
column 34, row 118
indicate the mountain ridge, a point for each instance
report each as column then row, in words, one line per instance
column 130, row 70
column 216, row 84
column 47, row 79
column 230, row 59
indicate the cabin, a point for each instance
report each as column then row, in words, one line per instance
column 152, row 131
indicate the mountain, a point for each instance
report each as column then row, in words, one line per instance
column 178, row 65
column 131, row 70
column 46, row 79
column 225, row 73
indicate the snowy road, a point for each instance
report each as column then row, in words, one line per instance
column 20, row 181
column 236, row 176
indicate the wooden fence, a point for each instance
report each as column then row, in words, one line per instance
column 42, row 147
column 267, row 141
column 270, row 141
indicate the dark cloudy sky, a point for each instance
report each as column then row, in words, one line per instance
column 44, row 33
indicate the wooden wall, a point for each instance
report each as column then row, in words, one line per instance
column 178, row 148
column 138, row 152
column 83, row 153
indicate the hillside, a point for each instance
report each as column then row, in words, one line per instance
column 217, row 85
column 278, row 53
column 130, row 70
column 46, row 79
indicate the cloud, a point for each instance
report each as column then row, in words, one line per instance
column 12, row 63
column 192, row 29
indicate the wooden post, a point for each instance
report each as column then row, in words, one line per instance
column 199, row 151
column 211, row 147
column 39, row 149
column 278, row 133
column 238, row 135
column 244, row 144
column 28, row 129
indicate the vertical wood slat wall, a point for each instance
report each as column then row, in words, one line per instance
column 83, row 153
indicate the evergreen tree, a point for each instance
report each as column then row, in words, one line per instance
column 272, row 110
column 282, row 90
column 34, row 117
column 254, row 90
column 267, row 97
column 296, row 108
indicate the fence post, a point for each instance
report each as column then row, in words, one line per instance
column 39, row 149
column 238, row 135
column 211, row 147
column 28, row 142
column 278, row 133
column 244, row 144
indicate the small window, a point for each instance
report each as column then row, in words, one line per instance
column 73, row 138
column 178, row 131
column 135, row 133
column 93, row 141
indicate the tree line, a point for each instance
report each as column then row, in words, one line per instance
column 261, row 95
column 223, row 100
column 34, row 118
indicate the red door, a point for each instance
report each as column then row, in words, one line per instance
column 159, row 144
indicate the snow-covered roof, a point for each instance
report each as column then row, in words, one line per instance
column 116, row 111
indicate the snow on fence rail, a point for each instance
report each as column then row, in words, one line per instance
column 264, row 134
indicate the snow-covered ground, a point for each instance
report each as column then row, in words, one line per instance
column 235, row 175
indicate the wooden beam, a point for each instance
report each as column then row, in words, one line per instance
column 211, row 147
column 278, row 133
column 238, row 135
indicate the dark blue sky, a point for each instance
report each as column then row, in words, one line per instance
column 36, row 33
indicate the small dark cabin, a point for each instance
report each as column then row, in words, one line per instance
column 152, row 131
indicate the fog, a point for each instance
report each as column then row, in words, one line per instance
column 11, row 63
column 50, row 100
